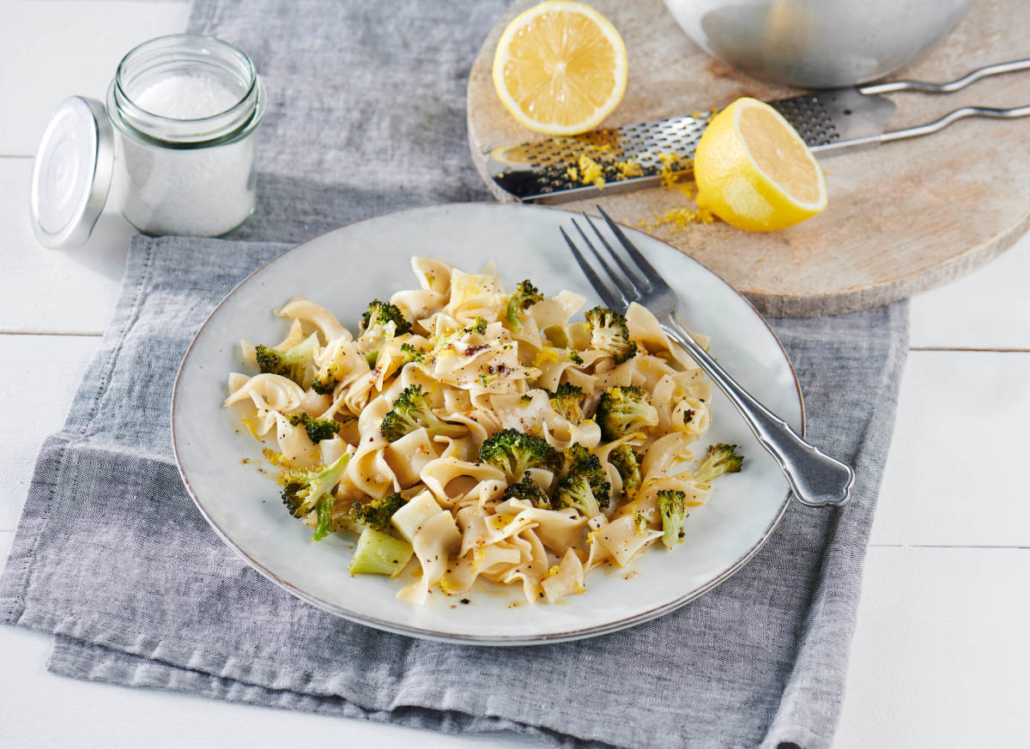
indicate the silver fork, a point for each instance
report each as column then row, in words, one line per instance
column 816, row 479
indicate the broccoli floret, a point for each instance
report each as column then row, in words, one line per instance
column 325, row 517
column 292, row 362
column 515, row 453
column 628, row 466
column 530, row 491
column 332, row 370
column 622, row 410
column 582, row 462
column 410, row 412
column 673, row 507
column 478, row 326
column 574, row 490
column 609, row 332
column 383, row 313
column 317, row 429
column 524, row 297
column 303, row 489
column 578, row 458
column 720, row 459
column 411, row 354
column 566, row 400
column 642, row 523
column 324, row 386
column 376, row 513
column 575, row 358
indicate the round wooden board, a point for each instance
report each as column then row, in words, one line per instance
column 902, row 217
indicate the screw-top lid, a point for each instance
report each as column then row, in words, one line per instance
column 71, row 177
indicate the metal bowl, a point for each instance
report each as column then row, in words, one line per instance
column 817, row 43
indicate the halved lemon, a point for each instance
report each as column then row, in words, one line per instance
column 755, row 172
column 560, row 68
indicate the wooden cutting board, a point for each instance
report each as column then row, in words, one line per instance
column 902, row 217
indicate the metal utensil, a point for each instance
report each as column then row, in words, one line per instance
column 816, row 479
column 829, row 121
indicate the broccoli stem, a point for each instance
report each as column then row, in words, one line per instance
column 325, row 517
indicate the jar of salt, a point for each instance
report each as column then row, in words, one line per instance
column 174, row 145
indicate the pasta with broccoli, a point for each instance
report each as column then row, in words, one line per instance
column 477, row 433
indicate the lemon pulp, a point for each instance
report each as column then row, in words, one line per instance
column 560, row 68
column 755, row 172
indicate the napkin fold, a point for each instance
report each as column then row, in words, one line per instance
column 113, row 558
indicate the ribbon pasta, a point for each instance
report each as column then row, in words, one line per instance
column 486, row 361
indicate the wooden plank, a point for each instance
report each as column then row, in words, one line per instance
column 940, row 655
column 52, row 50
column 34, row 408
column 902, row 218
column 45, row 290
column 989, row 309
column 954, row 475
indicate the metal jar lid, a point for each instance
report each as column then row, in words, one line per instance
column 71, row 177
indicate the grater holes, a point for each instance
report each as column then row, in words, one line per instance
column 810, row 118
column 547, row 163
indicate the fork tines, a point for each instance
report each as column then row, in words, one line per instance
column 626, row 284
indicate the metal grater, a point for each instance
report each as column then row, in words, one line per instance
column 829, row 120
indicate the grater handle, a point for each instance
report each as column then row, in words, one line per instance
column 950, row 86
column 928, row 128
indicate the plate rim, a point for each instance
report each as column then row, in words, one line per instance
column 472, row 639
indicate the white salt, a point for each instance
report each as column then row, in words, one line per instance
column 186, row 97
column 197, row 191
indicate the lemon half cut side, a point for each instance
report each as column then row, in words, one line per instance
column 755, row 172
column 560, row 68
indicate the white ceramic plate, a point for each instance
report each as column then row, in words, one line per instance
column 348, row 267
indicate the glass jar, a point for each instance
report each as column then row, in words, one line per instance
column 184, row 110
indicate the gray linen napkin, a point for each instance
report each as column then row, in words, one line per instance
column 112, row 556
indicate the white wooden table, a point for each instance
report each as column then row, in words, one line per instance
column 941, row 655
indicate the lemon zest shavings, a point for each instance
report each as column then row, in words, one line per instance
column 252, row 429
column 591, row 172
column 677, row 219
column 546, row 355
column 628, row 169
column 676, row 171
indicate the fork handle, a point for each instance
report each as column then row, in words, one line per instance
column 816, row 479
column 950, row 86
